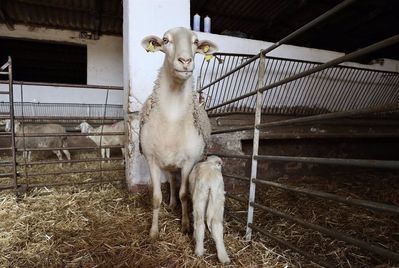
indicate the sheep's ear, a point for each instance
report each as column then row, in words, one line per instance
column 152, row 43
column 206, row 47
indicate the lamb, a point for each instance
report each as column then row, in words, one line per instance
column 174, row 128
column 39, row 142
column 105, row 140
column 207, row 193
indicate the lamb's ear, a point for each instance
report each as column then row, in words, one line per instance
column 152, row 43
column 206, row 47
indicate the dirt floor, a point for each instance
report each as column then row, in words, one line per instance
column 104, row 226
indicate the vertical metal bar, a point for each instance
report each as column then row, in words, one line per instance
column 13, row 148
column 255, row 148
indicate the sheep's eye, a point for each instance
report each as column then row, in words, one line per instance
column 196, row 42
column 165, row 40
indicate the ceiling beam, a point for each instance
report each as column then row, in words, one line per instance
column 3, row 15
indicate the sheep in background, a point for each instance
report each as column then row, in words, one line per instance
column 106, row 140
column 207, row 192
column 39, row 142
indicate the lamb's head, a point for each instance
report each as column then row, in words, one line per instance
column 84, row 127
column 215, row 160
column 180, row 46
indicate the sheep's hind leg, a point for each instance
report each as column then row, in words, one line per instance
column 172, row 185
column 68, row 155
column 155, row 172
column 217, row 235
column 199, row 225
column 59, row 155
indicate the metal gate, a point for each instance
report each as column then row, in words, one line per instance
column 19, row 174
column 312, row 92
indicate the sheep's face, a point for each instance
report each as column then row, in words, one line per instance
column 84, row 127
column 180, row 46
column 216, row 161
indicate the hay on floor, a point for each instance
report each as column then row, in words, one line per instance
column 104, row 226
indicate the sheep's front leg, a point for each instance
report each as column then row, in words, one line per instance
column 183, row 194
column 155, row 173
column 103, row 153
column 108, row 153
column 199, row 203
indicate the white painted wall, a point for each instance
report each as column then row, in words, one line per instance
column 104, row 66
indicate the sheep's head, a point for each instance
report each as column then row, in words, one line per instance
column 84, row 127
column 180, row 46
column 215, row 160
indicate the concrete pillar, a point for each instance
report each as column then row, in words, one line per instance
column 142, row 18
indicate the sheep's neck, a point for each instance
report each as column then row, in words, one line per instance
column 174, row 95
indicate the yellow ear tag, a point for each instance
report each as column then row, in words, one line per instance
column 206, row 48
column 150, row 47
column 208, row 57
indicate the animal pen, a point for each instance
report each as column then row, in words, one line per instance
column 294, row 94
column 20, row 175
column 284, row 100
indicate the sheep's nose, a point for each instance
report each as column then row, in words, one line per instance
column 185, row 60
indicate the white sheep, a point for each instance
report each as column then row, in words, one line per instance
column 174, row 129
column 39, row 142
column 207, row 193
column 105, row 140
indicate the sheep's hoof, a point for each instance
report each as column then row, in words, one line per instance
column 154, row 234
column 185, row 227
column 172, row 205
column 223, row 258
column 199, row 252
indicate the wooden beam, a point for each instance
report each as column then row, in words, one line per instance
column 97, row 18
column 3, row 15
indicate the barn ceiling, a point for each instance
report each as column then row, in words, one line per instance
column 359, row 25
column 96, row 16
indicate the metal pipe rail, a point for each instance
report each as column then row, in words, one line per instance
column 63, row 85
column 56, row 184
column 333, row 197
column 241, row 178
column 87, row 160
column 388, row 164
column 37, row 135
column 286, row 39
column 69, row 148
column 72, row 172
column 361, row 244
column 239, row 156
column 335, row 115
column 280, row 241
column 363, row 51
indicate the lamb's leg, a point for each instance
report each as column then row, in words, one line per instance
column 172, row 185
column 217, row 235
column 123, row 154
column 155, row 172
column 199, row 203
column 59, row 155
column 183, row 194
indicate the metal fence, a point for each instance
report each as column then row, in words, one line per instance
column 18, row 173
column 323, row 91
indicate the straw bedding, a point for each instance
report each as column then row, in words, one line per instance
column 104, row 226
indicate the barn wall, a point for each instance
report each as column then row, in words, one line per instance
column 104, row 66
